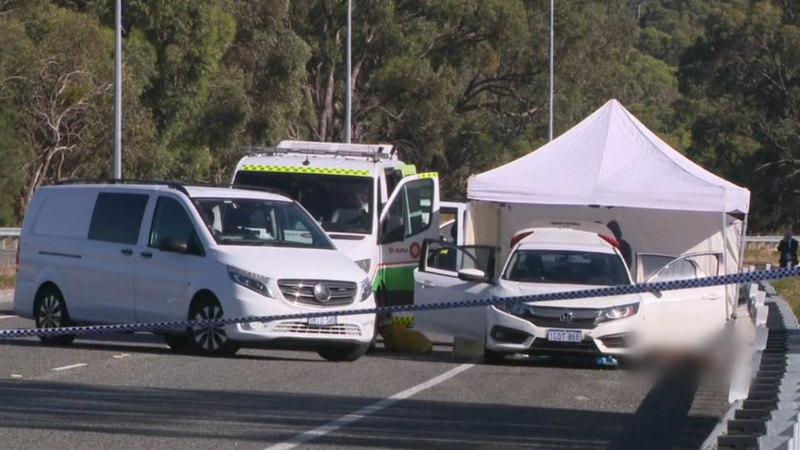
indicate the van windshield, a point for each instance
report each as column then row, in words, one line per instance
column 340, row 203
column 239, row 221
column 567, row 267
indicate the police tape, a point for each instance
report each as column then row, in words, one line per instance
column 173, row 326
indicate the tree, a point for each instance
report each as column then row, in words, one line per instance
column 742, row 84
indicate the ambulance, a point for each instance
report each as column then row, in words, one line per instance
column 377, row 209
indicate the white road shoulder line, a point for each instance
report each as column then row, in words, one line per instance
column 74, row 366
column 7, row 317
column 329, row 427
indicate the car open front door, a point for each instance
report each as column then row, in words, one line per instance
column 688, row 316
column 437, row 280
column 411, row 215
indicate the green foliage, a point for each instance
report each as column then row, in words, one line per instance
column 458, row 86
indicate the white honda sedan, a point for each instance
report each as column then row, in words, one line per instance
column 556, row 259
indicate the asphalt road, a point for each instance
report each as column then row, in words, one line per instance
column 129, row 391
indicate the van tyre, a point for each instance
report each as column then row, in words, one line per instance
column 51, row 312
column 208, row 340
column 343, row 354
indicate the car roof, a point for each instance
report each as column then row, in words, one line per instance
column 193, row 191
column 552, row 238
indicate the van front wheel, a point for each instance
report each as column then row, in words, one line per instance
column 209, row 340
column 51, row 312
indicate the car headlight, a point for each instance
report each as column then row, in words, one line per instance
column 366, row 289
column 619, row 312
column 250, row 280
column 364, row 264
column 513, row 308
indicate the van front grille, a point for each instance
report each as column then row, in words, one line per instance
column 343, row 329
column 302, row 291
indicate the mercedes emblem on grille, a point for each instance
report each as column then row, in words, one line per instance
column 565, row 316
column 322, row 293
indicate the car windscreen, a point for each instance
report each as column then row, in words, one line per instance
column 240, row 221
column 567, row 267
column 340, row 203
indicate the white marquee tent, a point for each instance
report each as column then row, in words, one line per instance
column 611, row 167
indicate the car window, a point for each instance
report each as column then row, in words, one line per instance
column 340, row 203
column 117, row 217
column 567, row 267
column 451, row 258
column 170, row 221
column 246, row 221
column 679, row 270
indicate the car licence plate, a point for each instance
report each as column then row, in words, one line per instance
column 564, row 336
column 323, row 321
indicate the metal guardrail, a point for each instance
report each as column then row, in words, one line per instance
column 765, row 412
column 763, row 239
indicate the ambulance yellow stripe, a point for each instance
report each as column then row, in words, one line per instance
column 294, row 169
column 429, row 175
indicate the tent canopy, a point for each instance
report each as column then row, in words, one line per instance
column 609, row 159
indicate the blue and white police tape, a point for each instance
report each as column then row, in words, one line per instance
column 743, row 277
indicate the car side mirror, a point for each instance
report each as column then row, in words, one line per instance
column 475, row 275
column 174, row 245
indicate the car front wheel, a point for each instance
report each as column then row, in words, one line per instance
column 51, row 312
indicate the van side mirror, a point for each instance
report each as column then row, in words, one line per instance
column 475, row 275
column 174, row 245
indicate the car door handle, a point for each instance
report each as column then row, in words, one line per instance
column 126, row 251
column 147, row 255
column 711, row 296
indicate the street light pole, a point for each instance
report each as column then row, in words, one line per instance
column 550, row 103
column 118, row 92
column 349, row 102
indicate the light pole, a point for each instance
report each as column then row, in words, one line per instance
column 349, row 96
column 550, row 102
column 118, row 92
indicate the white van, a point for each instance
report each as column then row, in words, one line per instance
column 153, row 252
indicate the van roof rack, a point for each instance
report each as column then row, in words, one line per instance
column 374, row 151
column 177, row 185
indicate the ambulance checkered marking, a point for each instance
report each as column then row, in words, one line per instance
column 404, row 320
column 294, row 169
column 744, row 277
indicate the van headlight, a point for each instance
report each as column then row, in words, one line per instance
column 250, row 280
column 619, row 312
column 366, row 289
column 364, row 264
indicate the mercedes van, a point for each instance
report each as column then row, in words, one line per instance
column 137, row 252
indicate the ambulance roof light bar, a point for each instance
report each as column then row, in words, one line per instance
column 377, row 151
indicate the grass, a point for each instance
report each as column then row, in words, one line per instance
column 788, row 288
column 7, row 275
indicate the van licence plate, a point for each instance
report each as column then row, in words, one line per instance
column 323, row 321
column 564, row 336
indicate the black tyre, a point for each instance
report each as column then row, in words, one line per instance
column 208, row 340
column 177, row 342
column 343, row 354
column 493, row 357
column 51, row 312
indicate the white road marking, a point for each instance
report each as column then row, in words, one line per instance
column 329, row 427
column 7, row 317
column 74, row 366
